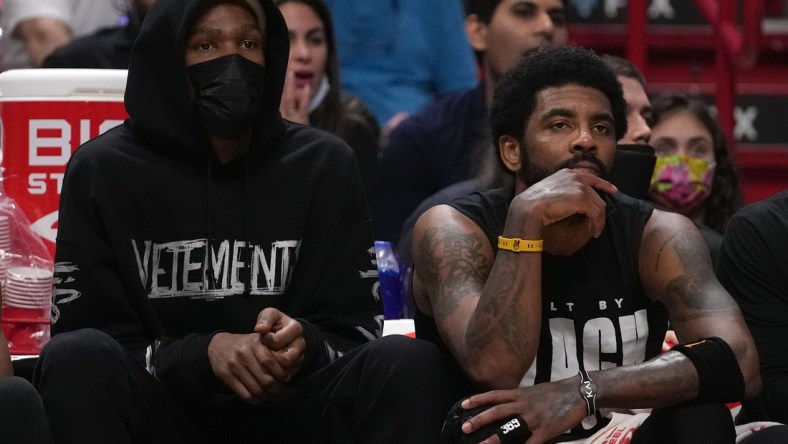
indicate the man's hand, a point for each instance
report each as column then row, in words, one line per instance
column 566, row 208
column 548, row 409
column 285, row 337
column 41, row 36
column 256, row 365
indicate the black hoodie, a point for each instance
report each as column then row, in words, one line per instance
column 147, row 214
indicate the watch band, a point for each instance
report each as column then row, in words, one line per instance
column 588, row 391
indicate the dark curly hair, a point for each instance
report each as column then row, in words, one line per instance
column 484, row 8
column 624, row 68
column 515, row 95
column 726, row 197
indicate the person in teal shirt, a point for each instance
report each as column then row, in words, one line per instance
column 396, row 55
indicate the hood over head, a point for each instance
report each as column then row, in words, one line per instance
column 159, row 96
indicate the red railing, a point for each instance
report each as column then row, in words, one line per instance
column 735, row 48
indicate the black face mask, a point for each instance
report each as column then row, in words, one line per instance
column 229, row 93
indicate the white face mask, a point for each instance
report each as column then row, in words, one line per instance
column 320, row 95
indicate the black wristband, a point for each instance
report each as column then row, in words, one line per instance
column 588, row 391
column 719, row 375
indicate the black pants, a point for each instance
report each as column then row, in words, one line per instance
column 22, row 418
column 390, row 390
column 690, row 424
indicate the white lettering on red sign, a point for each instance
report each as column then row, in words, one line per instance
column 51, row 145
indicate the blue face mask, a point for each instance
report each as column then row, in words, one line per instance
column 228, row 94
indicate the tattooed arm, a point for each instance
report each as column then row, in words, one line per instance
column 492, row 330
column 675, row 268
column 487, row 307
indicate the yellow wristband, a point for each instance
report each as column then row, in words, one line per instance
column 520, row 245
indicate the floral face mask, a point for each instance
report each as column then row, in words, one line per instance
column 681, row 183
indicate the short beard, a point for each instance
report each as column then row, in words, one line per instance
column 531, row 174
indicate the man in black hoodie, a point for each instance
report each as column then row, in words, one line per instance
column 213, row 260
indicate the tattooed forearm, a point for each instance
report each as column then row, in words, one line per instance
column 696, row 264
column 455, row 265
column 498, row 313
column 668, row 383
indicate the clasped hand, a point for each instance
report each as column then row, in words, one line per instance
column 257, row 364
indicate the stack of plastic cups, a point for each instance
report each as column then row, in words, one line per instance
column 5, row 247
column 26, row 305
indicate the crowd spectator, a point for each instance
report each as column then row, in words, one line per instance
column 633, row 83
column 32, row 29
column 445, row 142
column 634, row 161
column 753, row 267
column 396, row 55
column 313, row 94
column 107, row 48
column 695, row 175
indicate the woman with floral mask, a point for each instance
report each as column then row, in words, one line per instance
column 312, row 94
column 694, row 174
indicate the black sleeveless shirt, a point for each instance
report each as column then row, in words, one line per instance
column 595, row 312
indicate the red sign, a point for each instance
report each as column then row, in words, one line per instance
column 38, row 138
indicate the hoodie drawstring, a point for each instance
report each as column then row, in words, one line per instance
column 209, row 273
column 245, row 232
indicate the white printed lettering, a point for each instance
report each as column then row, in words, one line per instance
column 37, row 183
column 157, row 270
column 745, row 123
column 599, row 337
column 49, row 151
column 189, row 267
column 183, row 266
column 661, row 8
column 84, row 131
column 634, row 332
column 237, row 265
column 564, row 348
column 220, row 264
column 142, row 261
